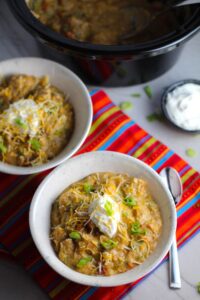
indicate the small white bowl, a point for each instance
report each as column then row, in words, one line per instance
column 71, row 85
column 77, row 168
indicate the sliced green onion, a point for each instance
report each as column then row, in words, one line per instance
column 88, row 188
column 135, row 225
column 126, row 105
column 191, row 152
column 198, row 287
column 136, row 95
column 20, row 123
column 75, row 235
column 136, row 228
column 35, row 144
column 154, row 117
column 148, row 91
column 84, row 261
column 108, row 208
column 3, row 148
column 109, row 244
column 129, row 201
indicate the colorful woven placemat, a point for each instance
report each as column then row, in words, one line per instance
column 111, row 130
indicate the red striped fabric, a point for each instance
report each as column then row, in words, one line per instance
column 111, row 130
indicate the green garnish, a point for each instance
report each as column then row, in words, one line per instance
column 129, row 201
column 136, row 95
column 191, row 152
column 3, row 148
column 198, row 287
column 148, row 91
column 109, row 244
column 20, row 123
column 35, row 144
column 108, row 208
column 126, row 105
column 88, row 188
column 84, row 261
column 136, row 228
column 75, row 235
column 154, row 117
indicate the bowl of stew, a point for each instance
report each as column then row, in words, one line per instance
column 103, row 219
column 45, row 115
column 90, row 37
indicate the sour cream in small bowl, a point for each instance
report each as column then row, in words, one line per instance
column 180, row 105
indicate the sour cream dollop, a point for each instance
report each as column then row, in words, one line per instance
column 105, row 214
column 26, row 113
column 183, row 106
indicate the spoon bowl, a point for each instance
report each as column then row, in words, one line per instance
column 170, row 89
column 172, row 180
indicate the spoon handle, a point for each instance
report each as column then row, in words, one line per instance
column 174, row 270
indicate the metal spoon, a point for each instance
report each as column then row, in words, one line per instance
column 172, row 180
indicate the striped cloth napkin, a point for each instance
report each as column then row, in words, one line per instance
column 111, row 130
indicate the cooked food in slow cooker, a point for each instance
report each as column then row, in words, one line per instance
column 99, row 22
column 36, row 120
column 105, row 224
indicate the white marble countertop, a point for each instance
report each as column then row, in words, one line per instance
column 14, row 282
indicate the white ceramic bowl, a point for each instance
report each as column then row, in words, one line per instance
column 77, row 168
column 70, row 84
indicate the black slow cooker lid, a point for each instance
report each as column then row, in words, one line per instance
column 186, row 25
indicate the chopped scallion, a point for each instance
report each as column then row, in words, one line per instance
column 88, row 188
column 35, row 144
column 108, row 208
column 75, row 235
column 84, row 261
column 198, row 287
column 3, row 148
column 129, row 201
column 154, row 117
column 126, row 105
column 109, row 244
column 136, row 228
column 20, row 123
column 136, row 95
column 191, row 152
column 148, row 91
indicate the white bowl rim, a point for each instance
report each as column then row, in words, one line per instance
column 100, row 281
column 17, row 170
